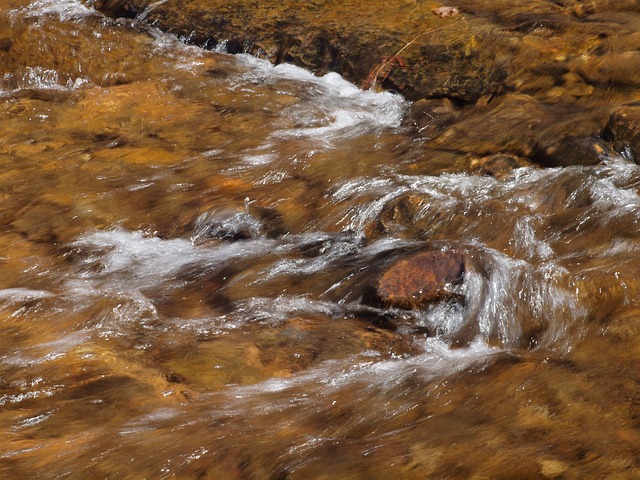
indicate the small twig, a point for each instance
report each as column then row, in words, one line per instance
column 383, row 68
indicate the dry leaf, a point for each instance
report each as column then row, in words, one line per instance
column 445, row 11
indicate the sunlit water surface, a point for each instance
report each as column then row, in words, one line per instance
column 186, row 238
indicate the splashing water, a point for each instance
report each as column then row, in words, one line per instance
column 188, row 246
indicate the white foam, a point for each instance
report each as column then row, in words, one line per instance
column 21, row 397
column 142, row 255
column 146, row 259
column 46, row 351
column 330, row 252
column 376, row 377
column 283, row 307
column 259, row 159
column 616, row 201
column 34, row 420
column 527, row 242
column 39, row 78
column 23, row 294
column 63, row 9
column 330, row 104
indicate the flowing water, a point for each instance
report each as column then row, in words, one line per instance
column 186, row 238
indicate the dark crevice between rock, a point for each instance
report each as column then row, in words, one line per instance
column 117, row 8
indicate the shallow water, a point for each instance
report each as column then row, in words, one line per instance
column 186, row 239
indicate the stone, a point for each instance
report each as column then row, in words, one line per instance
column 498, row 165
column 398, row 214
column 553, row 468
column 612, row 69
column 417, row 280
column 481, row 131
column 525, row 127
column 623, row 130
column 429, row 118
column 350, row 39
column 536, row 80
column 445, row 11
column 572, row 150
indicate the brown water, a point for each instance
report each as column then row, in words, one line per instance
column 185, row 241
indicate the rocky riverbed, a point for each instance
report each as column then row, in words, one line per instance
column 212, row 267
column 554, row 83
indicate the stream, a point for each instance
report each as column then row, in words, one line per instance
column 186, row 238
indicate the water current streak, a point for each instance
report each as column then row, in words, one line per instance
column 189, row 242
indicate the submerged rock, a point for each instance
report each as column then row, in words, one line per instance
column 498, row 165
column 415, row 281
column 397, row 214
column 623, row 130
column 429, row 118
column 238, row 224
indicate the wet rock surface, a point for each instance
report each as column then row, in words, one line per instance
column 623, row 130
column 419, row 279
column 533, row 79
column 180, row 287
column 498, row 165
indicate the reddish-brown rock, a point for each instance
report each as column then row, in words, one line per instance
column 422, row 278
